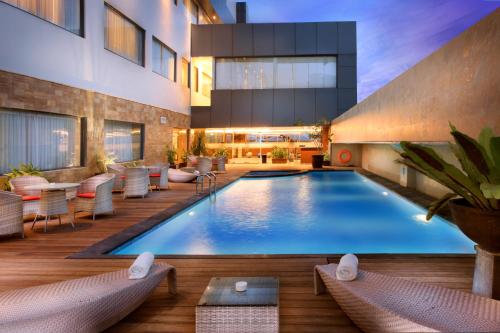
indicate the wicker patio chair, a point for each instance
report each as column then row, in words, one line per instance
column 136, row 182
column 119, row 171
column 158, row 177
column 90, row 304
column 11, row 214
column 380, row 303
column 31, row 198
column 95, row 195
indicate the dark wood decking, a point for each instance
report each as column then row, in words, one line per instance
column 40, row 259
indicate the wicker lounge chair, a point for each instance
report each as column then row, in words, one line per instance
column 158, row 177
column 179, row 176
column 11, row 214
column 31, row 198
column 90, row 304
column 95, row 195
column 380, row 303
column 136, row 182
column 119, row 171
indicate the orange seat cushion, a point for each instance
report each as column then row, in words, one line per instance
column 154, row 175
column 89, row 195
column 30, row 197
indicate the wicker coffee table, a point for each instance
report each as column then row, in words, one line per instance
column 223, row 309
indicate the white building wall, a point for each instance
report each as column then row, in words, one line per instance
column 34, row 47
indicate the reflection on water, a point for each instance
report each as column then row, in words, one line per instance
column 319, row 212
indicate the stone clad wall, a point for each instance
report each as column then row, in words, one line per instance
column 460, row 83
column 28, row 93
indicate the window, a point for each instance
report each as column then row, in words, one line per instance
column 185, row 73
column 67, row 14
column 123, row 37
column 275, row 73
column 124, row 140
column 164, row 60
column 196, row 79
column 206, row 85
column 47, row 141
column 193, row 11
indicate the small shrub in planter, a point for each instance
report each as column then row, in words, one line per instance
column 279, row 155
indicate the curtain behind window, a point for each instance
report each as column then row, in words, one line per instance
column 123, row 140
column 64, row 13
column 46, row 141
column 123, row 37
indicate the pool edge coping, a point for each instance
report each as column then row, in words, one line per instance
column 101, row 249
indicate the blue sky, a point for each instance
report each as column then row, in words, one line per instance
column 393, row 35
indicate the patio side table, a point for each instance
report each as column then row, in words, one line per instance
column 222, row 309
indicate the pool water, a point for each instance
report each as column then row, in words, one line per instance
column 314, row 213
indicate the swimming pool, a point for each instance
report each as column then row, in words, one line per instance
column 314, row 213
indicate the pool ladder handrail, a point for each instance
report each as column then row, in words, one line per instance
column 212, row 183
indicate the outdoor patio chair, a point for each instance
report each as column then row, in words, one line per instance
column 31, row 198
column 381, row 303
column 11, row 214
column 90, row 304
column 158, row 177
column 119, row 171
column 95, row 195
column 136, row 182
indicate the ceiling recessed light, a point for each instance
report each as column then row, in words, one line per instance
column 214, row 17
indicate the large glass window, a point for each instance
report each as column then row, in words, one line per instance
column 164, row 60
column 45, row 140
column 123, row 140
column 275, row 73
column 123, row 37
column 65, row 13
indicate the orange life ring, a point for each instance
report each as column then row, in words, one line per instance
column 344, row 156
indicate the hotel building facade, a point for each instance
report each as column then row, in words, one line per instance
column 132, row 78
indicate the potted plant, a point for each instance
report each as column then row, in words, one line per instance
column 184, row 157
column 171, row 155
column 320, row 134
column 474, row 197
column 279, row 155
column 198, row 148
column 105, row 160
column 326, row 159
column 220, row 155
column 22, row 170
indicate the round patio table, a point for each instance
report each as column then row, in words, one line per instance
column 52, row 200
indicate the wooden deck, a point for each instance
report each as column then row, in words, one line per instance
column 40, row 259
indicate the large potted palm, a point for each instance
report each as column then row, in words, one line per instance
column 474, row 197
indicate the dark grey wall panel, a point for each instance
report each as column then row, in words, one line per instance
column 222, row 40
column 263, row 39
column 241, row 108
column 347, row 60
column 284, row 39
column 201, row 40
column 283, row 109
column 326, row 104
column 221, row 108
column 347, row 37
column 346, row 77
column 305, row 105
column 262, row 107
column 327, row 38
column 305, row 38
column 347, row 99
column 200, row 116
column 242, row 40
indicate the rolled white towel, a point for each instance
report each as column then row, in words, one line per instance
column 347, row 270
column 141, row 266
